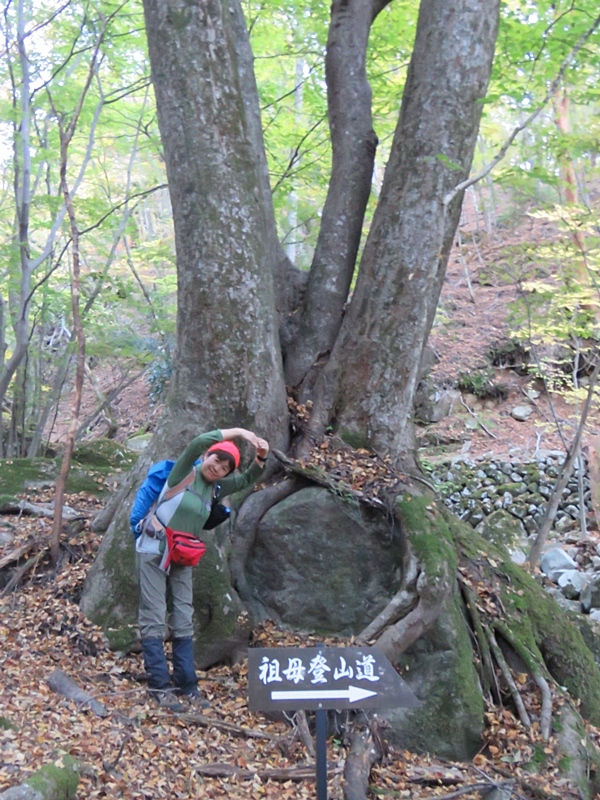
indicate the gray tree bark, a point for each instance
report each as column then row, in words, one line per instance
column 353, row 143
column 405, row 257
column 227, row 367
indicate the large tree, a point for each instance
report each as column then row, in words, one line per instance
column 246, row 319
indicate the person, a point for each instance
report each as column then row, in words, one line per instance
column 167, row 595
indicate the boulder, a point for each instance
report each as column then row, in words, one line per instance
column 590, row 596
column 554, row 562
column 502, row 528
column 572, row 582
column 521, row 413
column 325, row 563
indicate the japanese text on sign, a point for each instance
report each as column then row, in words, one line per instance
column 318, row 670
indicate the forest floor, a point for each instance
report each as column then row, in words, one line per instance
column 138, row 751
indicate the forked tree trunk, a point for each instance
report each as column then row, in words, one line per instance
column 369, row 383
column 353, row 143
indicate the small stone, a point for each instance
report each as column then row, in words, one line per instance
column 521, row 413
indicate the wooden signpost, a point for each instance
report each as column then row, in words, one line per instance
column 321, row 678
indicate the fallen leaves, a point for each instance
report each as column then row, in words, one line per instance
column 140, row 752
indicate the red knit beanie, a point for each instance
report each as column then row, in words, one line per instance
column 227, row 447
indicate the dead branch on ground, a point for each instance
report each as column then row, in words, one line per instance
column 365, row 750
column 60, row 683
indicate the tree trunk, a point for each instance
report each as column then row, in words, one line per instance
column 353, row 142
column 227, row 368
column 404, row 262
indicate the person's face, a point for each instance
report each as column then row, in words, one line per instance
column 214, row 468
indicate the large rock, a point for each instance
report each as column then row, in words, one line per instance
column 439, row 669
column 324, row 563
column 590, row 596
column 554, row 562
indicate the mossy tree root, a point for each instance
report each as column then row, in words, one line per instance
column 507, row 675
column 245, row 529
column 487, row 673
column 533, row 665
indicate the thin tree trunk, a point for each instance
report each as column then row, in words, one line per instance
column 353, row 142
column 549, row 516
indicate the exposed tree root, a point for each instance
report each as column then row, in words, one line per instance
column 487, row 673
column 246, row 526
column 533, row 667
column 365, row 751
column 507, row 675
column 432, row 593
column 399, row 605
column 304, row 733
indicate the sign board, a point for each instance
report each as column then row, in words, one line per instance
column 312, row 678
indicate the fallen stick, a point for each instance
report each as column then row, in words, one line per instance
column 18, row 552
column 60, row 683
column 21, row 571
column 281, row 774
column 230, row 727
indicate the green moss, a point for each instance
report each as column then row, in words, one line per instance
column 18, row 474
column 121, row 639
column 564, row 764
column 427, row 527
column 56, row 781
column 356, row 440
column 7, row 725
column 104, row 454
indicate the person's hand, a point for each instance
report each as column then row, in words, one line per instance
column 262, row 448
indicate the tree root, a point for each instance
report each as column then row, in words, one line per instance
column 402, row 602
column 246, row 527
column 486, row 670
column 306, row 738
column 532, row 666
column 365, row 751
column 506, row 673
column 432, row 594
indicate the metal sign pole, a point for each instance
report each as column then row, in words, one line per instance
column 321, row 725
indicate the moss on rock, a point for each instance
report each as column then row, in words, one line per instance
column 57, row 781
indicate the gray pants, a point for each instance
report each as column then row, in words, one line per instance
column 164, row 599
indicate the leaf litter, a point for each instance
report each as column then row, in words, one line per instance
column 142, row 752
